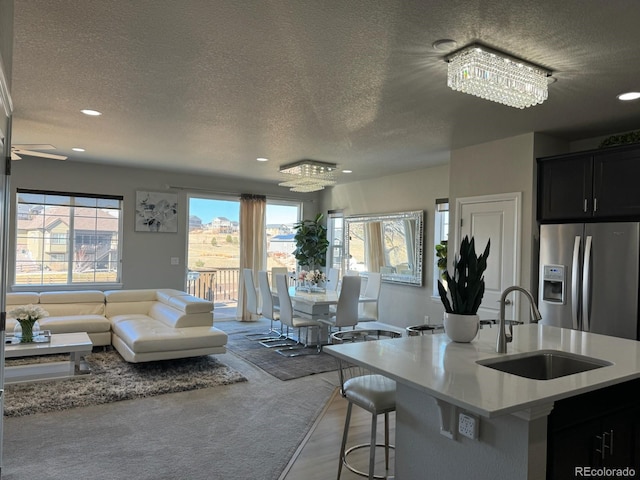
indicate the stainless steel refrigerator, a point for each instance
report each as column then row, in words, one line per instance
column 589, row 277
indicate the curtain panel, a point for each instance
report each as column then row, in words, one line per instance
column 253, row 244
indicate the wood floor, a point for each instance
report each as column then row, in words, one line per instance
column 317, row 457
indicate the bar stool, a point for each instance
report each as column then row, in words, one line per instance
column 372, row 392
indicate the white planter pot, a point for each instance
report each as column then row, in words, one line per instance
column 461, row 328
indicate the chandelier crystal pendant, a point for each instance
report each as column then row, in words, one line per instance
column 492, row 75
column 308, row 175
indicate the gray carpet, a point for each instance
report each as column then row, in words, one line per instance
column 284, row 368
column 112, row 379
column 242, row 431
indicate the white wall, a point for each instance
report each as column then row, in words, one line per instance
column 504, row 166
column 146, row 256
column 400, row 305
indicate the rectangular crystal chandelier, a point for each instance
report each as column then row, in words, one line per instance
column 492, row 75
column 308, row 175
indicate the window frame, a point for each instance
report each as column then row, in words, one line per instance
column 72, row 201
column 440, row 233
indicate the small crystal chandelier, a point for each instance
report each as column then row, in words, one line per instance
column 308, row 175
column 492, row 75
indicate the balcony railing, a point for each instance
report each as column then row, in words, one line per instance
column 215, row 285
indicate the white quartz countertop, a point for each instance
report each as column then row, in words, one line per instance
column 448, row 371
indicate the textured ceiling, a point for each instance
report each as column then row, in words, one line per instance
column 208, row 86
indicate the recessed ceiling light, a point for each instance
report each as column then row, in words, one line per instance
column 625, row 97
column 77, row 149
column 444, row 45
column 347, row 171
column 262, row 159
column 92, row 113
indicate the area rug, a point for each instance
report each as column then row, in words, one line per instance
column 283, row 368
column 112, row 379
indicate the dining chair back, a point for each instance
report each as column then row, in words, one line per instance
column 333, row 275
column 286, row 306
column 347, row 308
column 270, row 311
column 369, row 310
column 288, row 319
column 268, row 308
column 250, row 291
column 277, row 271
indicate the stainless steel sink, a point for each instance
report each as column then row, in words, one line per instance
column 544, row 364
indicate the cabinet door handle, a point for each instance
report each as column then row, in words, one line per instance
column 603, row 443
column 602, row 446
column 585, row 205
column 595, row 205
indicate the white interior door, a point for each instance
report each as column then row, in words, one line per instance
column 494, row 217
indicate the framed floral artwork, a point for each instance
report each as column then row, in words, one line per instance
column 156, row 212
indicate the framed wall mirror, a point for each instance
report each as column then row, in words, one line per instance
column 390, row 244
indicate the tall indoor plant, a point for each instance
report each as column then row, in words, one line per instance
column 466, row 289
column 311, row 243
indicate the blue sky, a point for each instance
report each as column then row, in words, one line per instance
column 206, row 209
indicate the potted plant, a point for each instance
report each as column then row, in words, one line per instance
column 466, row 289
column 441, row 254
column 311, row 243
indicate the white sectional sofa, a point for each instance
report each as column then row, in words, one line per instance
column 142, row 325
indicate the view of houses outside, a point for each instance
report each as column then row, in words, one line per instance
column 61, row 244
column 214, row 246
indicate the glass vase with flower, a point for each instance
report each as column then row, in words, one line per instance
column 27, row 317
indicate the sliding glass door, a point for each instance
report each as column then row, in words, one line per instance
column 213, row 254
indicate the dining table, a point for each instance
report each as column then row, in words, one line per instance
column 315, row 304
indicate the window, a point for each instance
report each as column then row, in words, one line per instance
column 67, row 238
column 335, row 234
column 58, row 238
column 440, row 238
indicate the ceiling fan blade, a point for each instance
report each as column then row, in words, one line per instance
column 40, row 154
column 14, row 156
column 33, row 146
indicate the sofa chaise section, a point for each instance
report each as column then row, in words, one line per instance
column 163, row 324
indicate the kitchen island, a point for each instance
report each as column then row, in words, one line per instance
column 438, row 379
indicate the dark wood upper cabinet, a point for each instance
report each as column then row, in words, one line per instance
column 601, row 184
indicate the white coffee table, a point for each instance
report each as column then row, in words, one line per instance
column 75, row 344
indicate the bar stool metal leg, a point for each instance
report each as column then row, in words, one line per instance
column 344, row 439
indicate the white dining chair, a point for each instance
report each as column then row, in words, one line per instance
column 346, row 314
column 252, row 305
column 288, row 319
column 250, row 292
column 277, row 271
column 368, row 311
column 333, row 276
column 270, row 311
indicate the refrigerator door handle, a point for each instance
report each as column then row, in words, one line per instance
column 586, row 285
column 575, row 275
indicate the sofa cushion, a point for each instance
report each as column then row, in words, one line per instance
column 177, row 319
column 113, row 296
column 84, row 296
column 184, row 302
column 143, row 334
column 71, row 309
column 76, row 323
column 21, row 298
